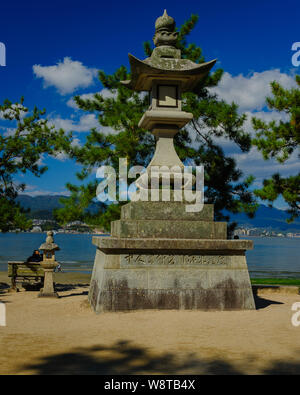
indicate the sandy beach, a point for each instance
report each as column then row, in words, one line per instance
column 64, row 336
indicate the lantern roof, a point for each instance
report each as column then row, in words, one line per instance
column 165, row 62
column 143, row 72
column 49, row 245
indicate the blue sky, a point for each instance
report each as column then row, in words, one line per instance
column 47, row 42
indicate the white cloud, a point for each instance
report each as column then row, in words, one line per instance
column 108, row 130
column 105, row 93
column 11, row 112
column 253, row 163
column 41, row 160
column 85, row 123
column 75, row 142
column 32, row 190
column 266, row 116
column 61, row 156
column 66, row 76
column 8, row 132
column 226, row 143
column 250, row 92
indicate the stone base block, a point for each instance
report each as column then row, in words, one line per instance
column 154, row 280
column 156, row 220
column 165, row 211
column 168, row 229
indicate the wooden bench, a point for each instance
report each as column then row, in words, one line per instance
column 31, row 273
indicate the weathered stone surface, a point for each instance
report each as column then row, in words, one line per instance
column 137, row 245
column 169, row 229
column 123, row 299
column 165, row 211
column 182, row 261
column 165, row 61
column 160, row 256
column 184, row 70
column 153, row 260
column 48, row 288
column 167, row 287
column 152, row 118
column 48, row 264
column 152, row 281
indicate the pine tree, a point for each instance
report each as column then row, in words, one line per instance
column 122, row 111
column 279, row 140
column 24, row 137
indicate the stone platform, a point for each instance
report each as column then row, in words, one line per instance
column 160, row 257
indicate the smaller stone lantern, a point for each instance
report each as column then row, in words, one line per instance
column 49, row 264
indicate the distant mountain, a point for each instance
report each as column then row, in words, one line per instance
column 41, row 202
column 41, row 208
column 267, row 217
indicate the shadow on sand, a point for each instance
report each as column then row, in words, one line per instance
column 3, row 290
column 123, row 358
column 3, row 287
column 58, row 287
column 262, row 303
column 71, row 287
column 68, row 287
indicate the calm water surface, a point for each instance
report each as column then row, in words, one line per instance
column 271, row 257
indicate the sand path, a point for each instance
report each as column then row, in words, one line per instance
column 65, row 336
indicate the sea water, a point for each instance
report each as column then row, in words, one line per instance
column 271, row 256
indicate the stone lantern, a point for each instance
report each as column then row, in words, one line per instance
column 165, row 75
column 49, row 264
column 159, row 254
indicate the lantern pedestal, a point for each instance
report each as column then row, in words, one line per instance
column 161, row 257
column 49, row 264
column 48, row 290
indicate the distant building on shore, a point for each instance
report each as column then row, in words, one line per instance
column 36, row 229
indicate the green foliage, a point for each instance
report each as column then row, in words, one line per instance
column 49, row 225
column 279, row 140
column 276, row 281
column 122, row 111
column 12, row 216
column 75, row 205
column 22, row 143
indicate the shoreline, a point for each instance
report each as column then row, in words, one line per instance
column 57, row 233
column 59, row 278
column 83, row 277
column 108, row 234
